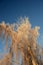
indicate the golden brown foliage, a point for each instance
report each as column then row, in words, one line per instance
column 23, row 41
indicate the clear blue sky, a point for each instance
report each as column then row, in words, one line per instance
column 10, row 10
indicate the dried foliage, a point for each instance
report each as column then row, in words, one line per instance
column 23, row 42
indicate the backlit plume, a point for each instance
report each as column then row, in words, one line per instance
column 23, row 43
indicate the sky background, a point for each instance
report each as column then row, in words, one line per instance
column 11, row 10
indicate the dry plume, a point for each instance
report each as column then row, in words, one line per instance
column 23, row 42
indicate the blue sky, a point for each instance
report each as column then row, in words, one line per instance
column 11, row 10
